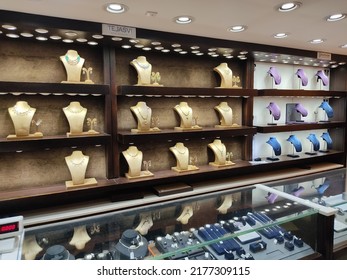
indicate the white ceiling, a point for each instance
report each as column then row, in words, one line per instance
column 212, row 18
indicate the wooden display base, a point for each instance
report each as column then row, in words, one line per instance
column 30, row 136
column 154, row 129
column 190, row 168
column 172, row 189
column 85, row 82
column 194, row 127
column 143, row 174
column 87, row 133
column 234, row 125
column 227, row 163
column 293, row 156
column 87, row 182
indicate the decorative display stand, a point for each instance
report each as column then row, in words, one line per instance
column 181, row 154
column 134, row 157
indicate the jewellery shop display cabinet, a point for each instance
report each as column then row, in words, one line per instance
column 225, row 225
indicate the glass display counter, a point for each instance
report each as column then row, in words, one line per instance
column 233, row 224
column 325, row 188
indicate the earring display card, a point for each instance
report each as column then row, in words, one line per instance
column 292, row 116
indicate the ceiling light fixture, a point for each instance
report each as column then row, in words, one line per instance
column 344, row 46
column 336, row 17
column 237, row 28
column 289, row 6
column 183, row 19
column 116, row 8
column 9, row 27
column 317, row 41
column 281, row 35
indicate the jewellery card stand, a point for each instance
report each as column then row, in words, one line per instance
column 311, row 152
column 133, row 156
column 182, row 157
column 143, row 115
column 73, row 64
column 186, row 115
column 77, row 163
column 22, row 114
column 293, row 155
column 226, row 116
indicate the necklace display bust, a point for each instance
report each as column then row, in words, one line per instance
column 77, row 164
column 80, row 237
column 134, row 157
column 226, row 75
column 226, row 116
column 73, row 64
column 22, row 114
column 227, row 202
column 144, row 70
column 186, row 117
column 181, row 154
column 146, row 222
column 220, row 153
column 185, row 215
column 143, row 115
column 75, row 115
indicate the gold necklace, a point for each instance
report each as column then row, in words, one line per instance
column 75, row 110
column 72, row 61
column 134, row 156
column 186, row 114
column 20, row 113
column 144, row 118
column 182, row 153
column 77, row 163
column 220, row 150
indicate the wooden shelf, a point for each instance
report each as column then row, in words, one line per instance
column 48, row 142
column 183, row 91
column 53, row 88
column 301, row 93
column 126, row 137
column 299, row 126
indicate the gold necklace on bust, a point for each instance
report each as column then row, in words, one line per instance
column 77, row 163
column 21, row 113
column 134, row 156
column 186, row 114
column 142, row 116
column 182, row 153
column 220, row 150
column 76, row 110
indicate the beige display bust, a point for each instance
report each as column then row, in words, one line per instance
column 146, row 222
column 226, row 116
column 80, row 237
column 226, row 75
column 144, row 117
column 186, row 115
column 185, row 215
column 220, row 154
column 76, row 115
column 77, row 163
column 181, row 154
column 73, row 64
column 134, row 157
column 144, row 70
column 30, row 248
column 22, row 115
column 227, row 202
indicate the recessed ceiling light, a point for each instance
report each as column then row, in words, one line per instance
column 26, row 34
column 92, row 43
column 334, row 66
column 55, row 37
column 139, row 46
column 117, row 39
column 81, row 40
column 281, row 35
column 116, row 8
column 12, row 35
column 165, row 50
column 237, row 28
column 344, row 46
column 71, row 34
column 317, row 41
column 183, row 19
column 69, row 41
column 9, row 27
column 176, row 45
column 156, row 43
column 126, row 47
column 289, row 6
column 178, row 50
column 212, row 49
column 159, row 48
column 41, row 30
column 41, row 38
column 97, row 36
column 183, row 52
column 146, row 48
column 342, row 63
column 336, row 17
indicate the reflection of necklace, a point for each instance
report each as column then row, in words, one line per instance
column 16, row 110
column 182, row 153
column 72, row 61
column 137, row 152
column 142, row 65
column 143, row 117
